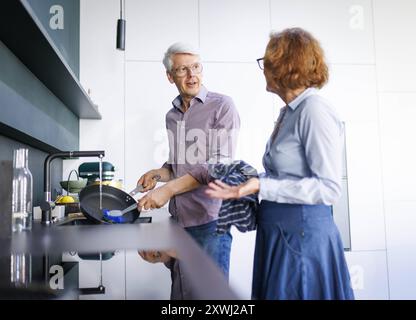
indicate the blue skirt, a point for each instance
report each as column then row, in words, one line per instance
column 299, row 254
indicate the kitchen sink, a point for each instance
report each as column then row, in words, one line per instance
column 82, row 221
column 77, row 221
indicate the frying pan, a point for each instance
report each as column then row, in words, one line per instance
column 112, row 199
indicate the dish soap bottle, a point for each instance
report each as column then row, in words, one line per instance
column 22, row 198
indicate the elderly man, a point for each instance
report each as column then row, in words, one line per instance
column 202, row 128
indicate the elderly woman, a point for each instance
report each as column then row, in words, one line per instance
column 299, row 252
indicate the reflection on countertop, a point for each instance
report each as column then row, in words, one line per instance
column 162, row 234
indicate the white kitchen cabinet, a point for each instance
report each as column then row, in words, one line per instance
column 241, row 262
column 149, row 97
column 397, row 122
column 258, row 109
column 144, row 280
column 102, row 75
column 344, row 27
column 365, row 186
column 369, row 275
column 113, row 275
column 233, row 30
column 352, row 91
column 395, row 48
column 401, row 248
column 152, row 26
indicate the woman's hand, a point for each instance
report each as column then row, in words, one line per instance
column 221, row 190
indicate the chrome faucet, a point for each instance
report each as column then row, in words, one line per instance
column 47, row 205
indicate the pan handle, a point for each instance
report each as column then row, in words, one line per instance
column 136, row 190
column 139, row 187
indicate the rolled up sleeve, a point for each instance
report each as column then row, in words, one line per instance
column 200, row 173
column 168, row 166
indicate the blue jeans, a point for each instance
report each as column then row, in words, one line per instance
column 216, row 245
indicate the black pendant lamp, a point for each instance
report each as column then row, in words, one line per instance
column 121, row 30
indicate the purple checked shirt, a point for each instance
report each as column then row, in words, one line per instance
column 205, row 133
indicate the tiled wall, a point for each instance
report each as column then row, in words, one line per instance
column 370, row 48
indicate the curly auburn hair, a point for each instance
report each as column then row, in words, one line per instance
column 295, row 59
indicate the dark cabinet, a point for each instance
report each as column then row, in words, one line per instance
column 61, row 20
column 40, row 94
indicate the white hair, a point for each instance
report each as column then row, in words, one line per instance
column 178, row 47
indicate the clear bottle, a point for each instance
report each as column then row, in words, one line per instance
column 21, row 269
column 22, row 198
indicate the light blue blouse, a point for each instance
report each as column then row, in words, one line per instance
column 304, row 162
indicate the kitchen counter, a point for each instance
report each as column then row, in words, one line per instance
column 162, row 234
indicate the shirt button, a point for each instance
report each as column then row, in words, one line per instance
column 302, row 233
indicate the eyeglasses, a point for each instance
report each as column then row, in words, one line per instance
column 260, row 62
column 182, row 71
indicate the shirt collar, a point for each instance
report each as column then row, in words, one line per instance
column 201, row 96
column 297, row 101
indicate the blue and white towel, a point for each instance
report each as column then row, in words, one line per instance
column 238, row 212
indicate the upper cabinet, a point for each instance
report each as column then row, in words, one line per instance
column 61, row 20
column 44, row 36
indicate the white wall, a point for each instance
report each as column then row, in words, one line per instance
column 370, row 48
column 395, row 52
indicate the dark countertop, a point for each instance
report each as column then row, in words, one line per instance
column 162, row 234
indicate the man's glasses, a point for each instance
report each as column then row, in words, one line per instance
column 182, row 71
column 260, row 62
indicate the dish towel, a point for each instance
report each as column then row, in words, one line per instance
column 238, row 212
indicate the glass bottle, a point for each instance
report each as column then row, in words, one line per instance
column 21, row 269
column 22, row 198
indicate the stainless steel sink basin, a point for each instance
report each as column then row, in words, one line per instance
column 82, row 221
column 77, row 221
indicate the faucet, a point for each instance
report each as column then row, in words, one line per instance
column 47, row 205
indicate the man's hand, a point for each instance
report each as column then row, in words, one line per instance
column 149, row 180
column 160, row 196
column 155, row 256
column 156, row 198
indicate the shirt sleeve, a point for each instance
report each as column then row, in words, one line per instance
column 321, row 134
column 223, row 140
column 168, row 166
